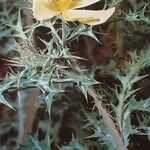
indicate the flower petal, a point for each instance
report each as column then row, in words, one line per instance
column 90, row 17
column 84, row 3
column 41, row 11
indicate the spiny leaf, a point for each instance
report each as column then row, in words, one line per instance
column 35, row 144
column 142, row 16
column 4, row 87
column 75, row 144
column 143, row 105
column 132, row 16
column 3, row 101
column 19, row 29
column 84, row 84
column 80, row 30
column 49, row 97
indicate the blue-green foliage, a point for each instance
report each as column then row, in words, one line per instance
column 56, row 68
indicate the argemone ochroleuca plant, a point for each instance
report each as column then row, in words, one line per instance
column 46, row 9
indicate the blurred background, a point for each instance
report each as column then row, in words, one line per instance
column 127, row 31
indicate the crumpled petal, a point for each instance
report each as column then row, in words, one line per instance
column 89, row 17
column 41, row 11
column 84, row 3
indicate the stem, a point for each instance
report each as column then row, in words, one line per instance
column 63, row 32
column 119, row 115
column 105, row 115
column 55, row 33
column 64, row 49
column 108, row 121
column 120, row 110
column 21, row 117
column 26, row 112
column 63, row 80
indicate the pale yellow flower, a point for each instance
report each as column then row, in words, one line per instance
column 46, row 9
